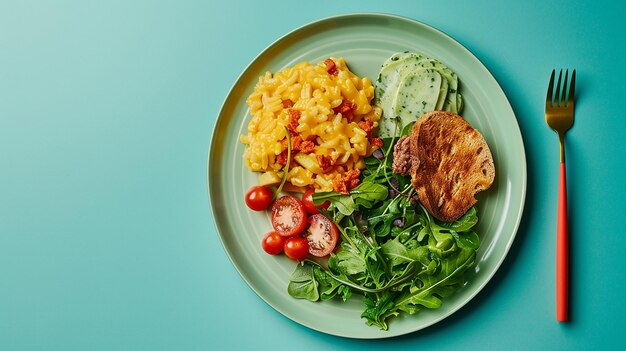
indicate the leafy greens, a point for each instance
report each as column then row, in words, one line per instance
column 392, row 251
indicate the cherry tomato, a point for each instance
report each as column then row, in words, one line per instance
column 309, row 205
column 322, row 235
column 273, row 243
column 296, row 248
column 259, row 198
column 288, row 216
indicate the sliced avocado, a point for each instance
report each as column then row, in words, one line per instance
column 450, row 103
column 400, row 78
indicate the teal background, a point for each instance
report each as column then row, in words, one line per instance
column 107, row 241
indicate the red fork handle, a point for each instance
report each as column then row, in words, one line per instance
column 562, row 274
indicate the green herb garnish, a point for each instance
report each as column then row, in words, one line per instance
column 286, row 168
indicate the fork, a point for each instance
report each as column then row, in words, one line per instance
column 560, row 117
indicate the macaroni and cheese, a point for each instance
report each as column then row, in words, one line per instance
column 327, row 112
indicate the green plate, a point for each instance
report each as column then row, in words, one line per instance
column 365, row 41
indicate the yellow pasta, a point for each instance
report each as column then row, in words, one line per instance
column 326, row 110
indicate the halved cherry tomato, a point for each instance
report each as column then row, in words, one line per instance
column 309, row 205
column 322, row 235
column 288, row 216
column 259, row 198
column 273, row 243
column 296, row 248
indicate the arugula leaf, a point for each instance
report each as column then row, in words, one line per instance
column 330, row 287
column 459, row 230
column 465, row 223
column 398, row 253
column 467, row 240
column 347, row 262
column 376, row 268
column 438, row 285
column 302, row 284
column 379, row 309
column 343, row 203
column 379, row 219
column 366, row 193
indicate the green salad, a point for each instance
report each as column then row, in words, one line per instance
column 393, row 252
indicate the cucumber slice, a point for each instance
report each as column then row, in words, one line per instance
column 443, row 94
column 418, row 93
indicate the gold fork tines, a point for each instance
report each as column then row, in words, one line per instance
column 560, row 109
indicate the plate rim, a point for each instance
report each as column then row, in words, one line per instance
column 376, row 15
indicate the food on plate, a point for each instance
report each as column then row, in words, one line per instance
column 296, row 248
column 273, row 243
column 392, row 218
column 321, row 234
column 315, row 234
column 288, row 216
column 327, row 112
column 449, row 162
column 410, row 84
column 259, row 198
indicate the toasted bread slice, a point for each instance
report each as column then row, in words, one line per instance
column 451, row 163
